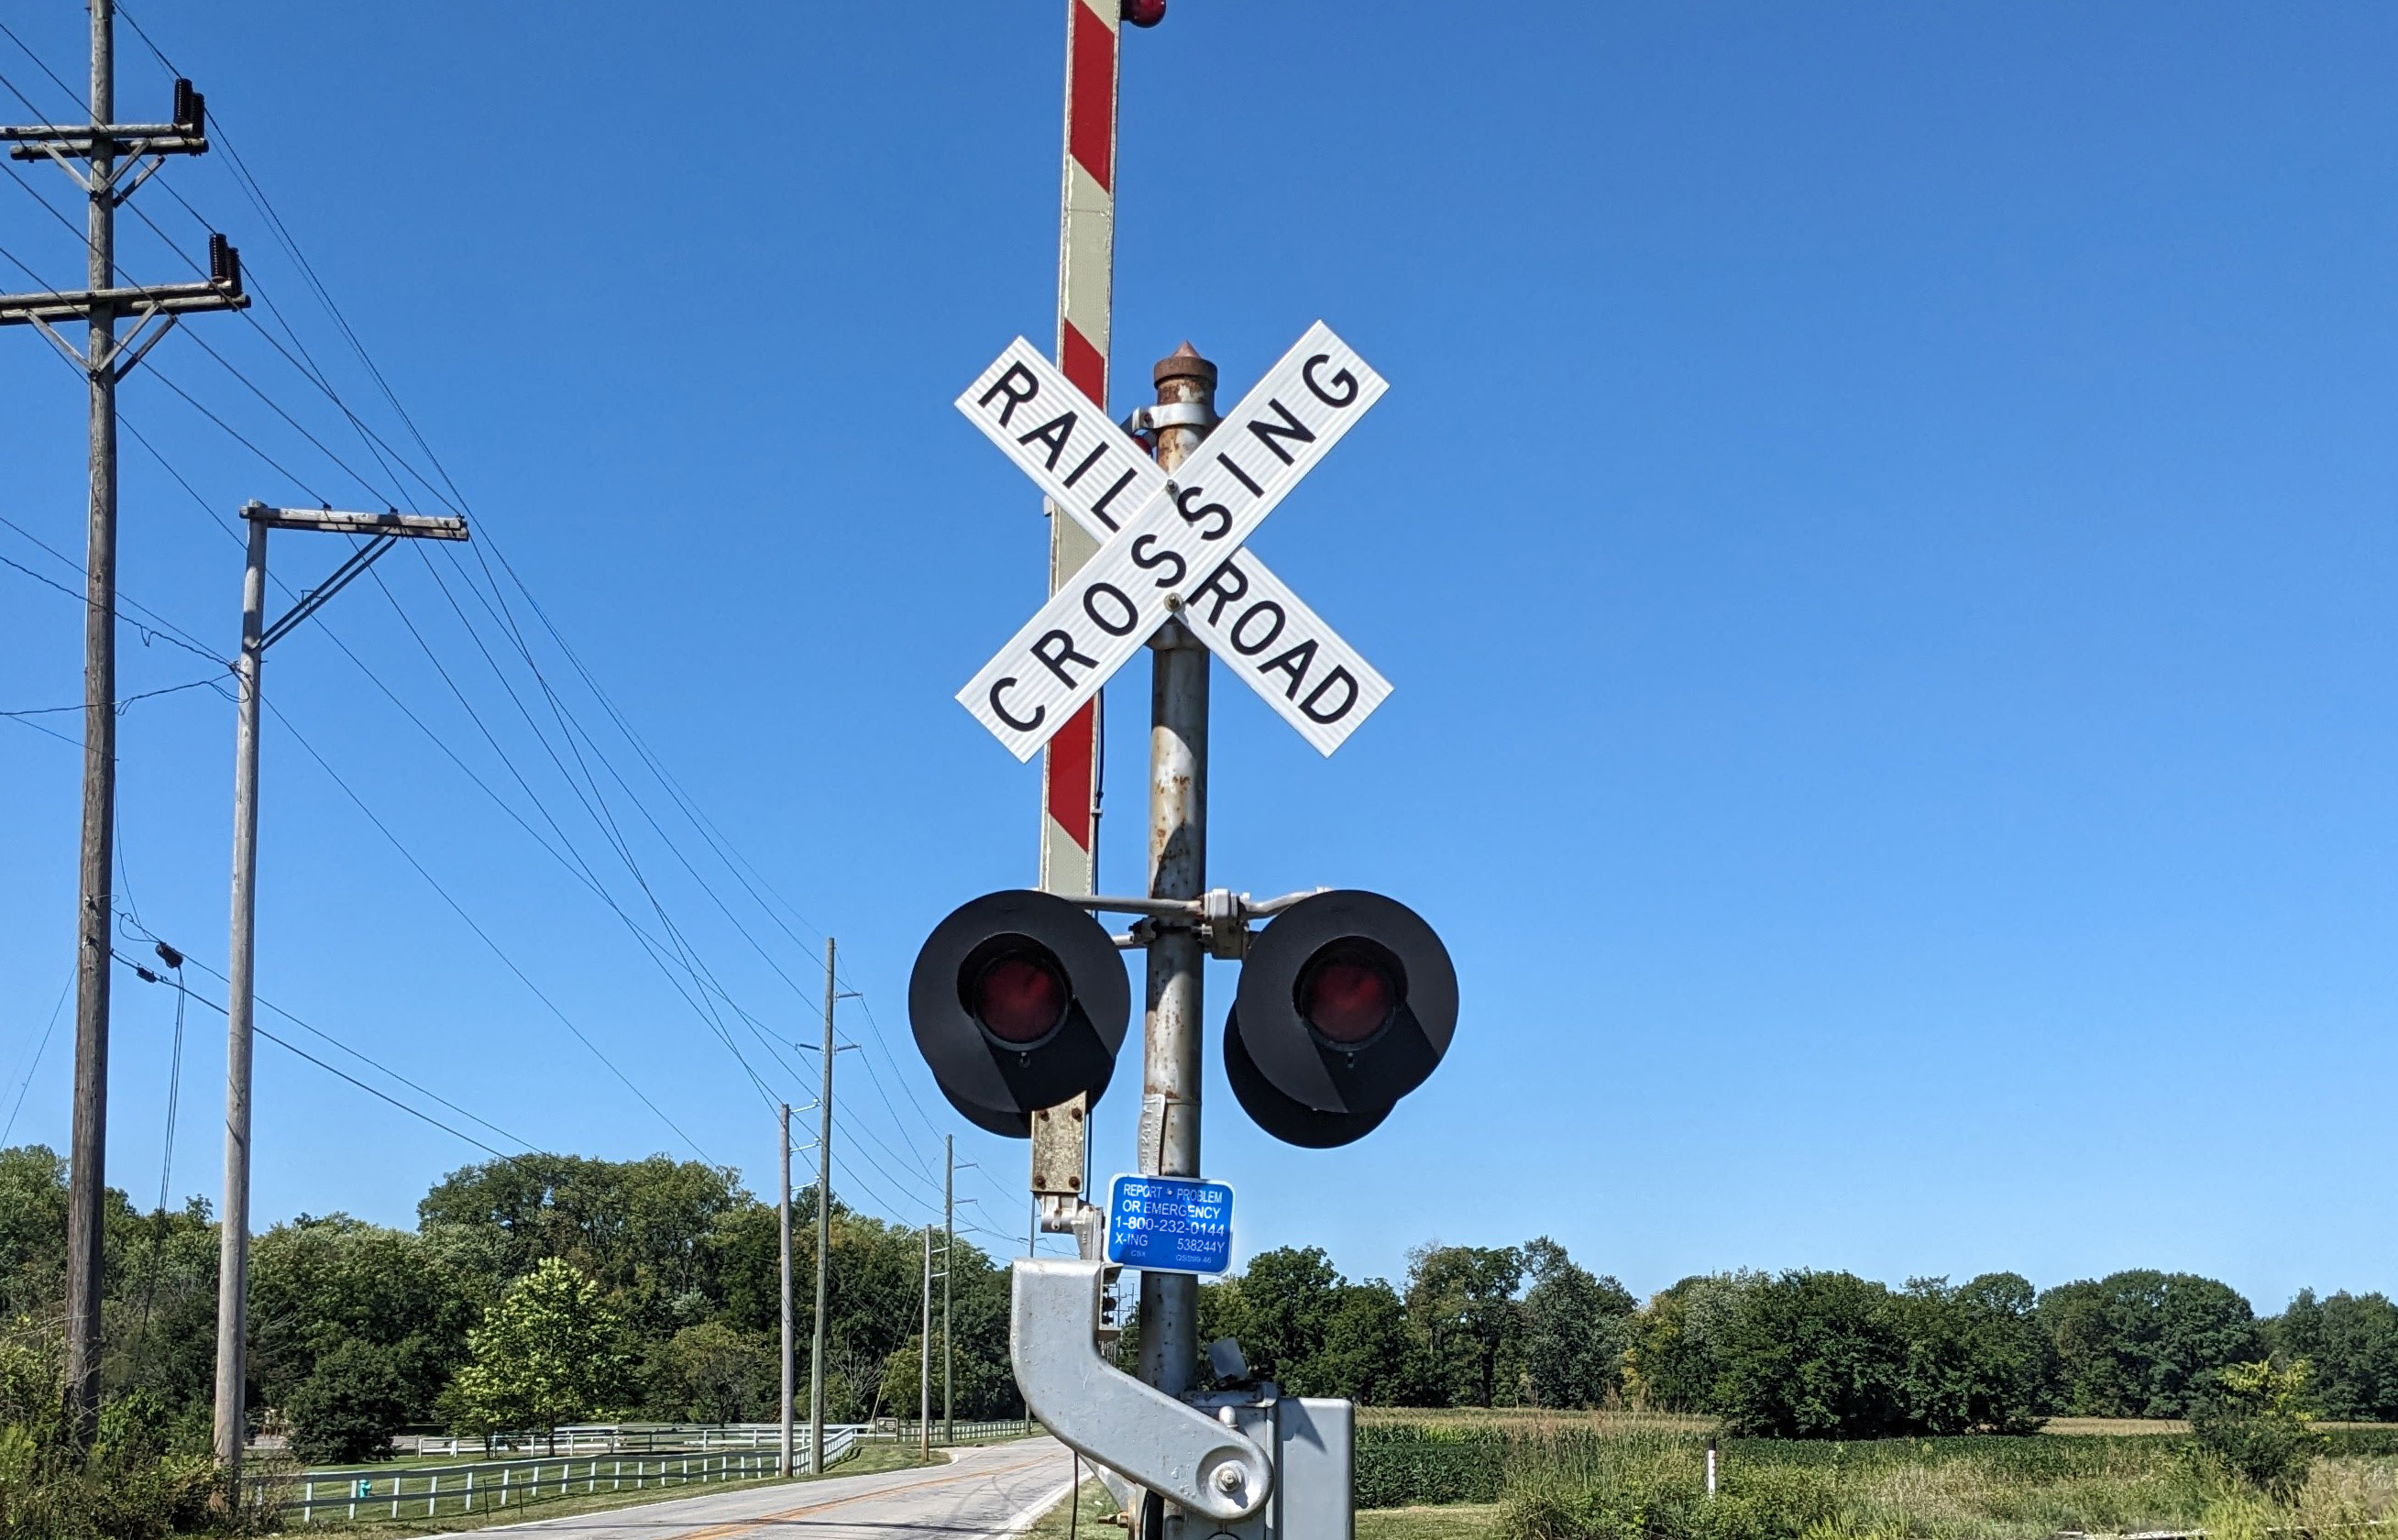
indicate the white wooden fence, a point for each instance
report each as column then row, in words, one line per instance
column 428, row 1493
column 424, row 1491
column 646, row 1439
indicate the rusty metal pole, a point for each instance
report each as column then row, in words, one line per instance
column 1177, row 869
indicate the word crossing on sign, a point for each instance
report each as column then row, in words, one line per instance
column 1170, row 1224
column 1172, row 547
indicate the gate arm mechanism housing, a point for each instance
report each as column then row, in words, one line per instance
column 1103, row 1414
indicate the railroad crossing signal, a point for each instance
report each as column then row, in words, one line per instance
column 1172, row 547
column 1347, row 1003
column 1019, row 1001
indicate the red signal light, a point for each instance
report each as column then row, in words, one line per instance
column 1144, row 13
column 1018, row 997
column 1346, row 993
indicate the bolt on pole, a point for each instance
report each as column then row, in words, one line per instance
column 1177, row 869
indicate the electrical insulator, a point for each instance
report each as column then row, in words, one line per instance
column 224, row 263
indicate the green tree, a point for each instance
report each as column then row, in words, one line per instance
column 715, row 1373
column 1279, row 1310
column 2351, row 1340
column 347, row 1408
column 1302, row 1325
column 1462, row 1300
column 401, row 1300
column 2141, row 1343
column 651, row 1233
column 548, row 1353
column 1574, row 1335
column 2254, row 1418
column 1369, row 1353
column 1674, row 1355
column 1815, row 1356
column 1977, row 1360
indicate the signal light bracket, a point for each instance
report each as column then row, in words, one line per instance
column 1220, row 915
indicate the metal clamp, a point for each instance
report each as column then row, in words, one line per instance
column 1149, row 419
column 1113, row 1420
column 1220, row 916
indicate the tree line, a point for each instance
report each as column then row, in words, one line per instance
column 1800, row 1353
column 662, row 1274
column 660, row 1277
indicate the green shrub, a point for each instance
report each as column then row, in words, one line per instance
column 2253, row 1421
column 347, row 1408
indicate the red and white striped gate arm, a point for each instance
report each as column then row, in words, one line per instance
column 1086, row 248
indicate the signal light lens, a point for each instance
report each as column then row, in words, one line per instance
column 1346, row 993
column 1018, row 996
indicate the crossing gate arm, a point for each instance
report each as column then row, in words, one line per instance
column 1113, row 1420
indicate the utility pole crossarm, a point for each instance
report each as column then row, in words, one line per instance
column 77, row 305
column 335, row 521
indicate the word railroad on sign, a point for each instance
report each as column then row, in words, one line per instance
column 1172, row 547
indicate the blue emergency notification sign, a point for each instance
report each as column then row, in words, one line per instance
column 1170, row 1224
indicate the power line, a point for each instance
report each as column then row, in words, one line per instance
column 118, row 706
column 36, row 1062
column 149, row 976
column 319, row 1032
column 483, row 934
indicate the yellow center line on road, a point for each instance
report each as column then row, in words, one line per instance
column 751, row 1526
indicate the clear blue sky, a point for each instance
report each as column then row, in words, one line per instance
column 1881, row 527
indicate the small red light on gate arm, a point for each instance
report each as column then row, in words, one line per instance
column 1144, row 13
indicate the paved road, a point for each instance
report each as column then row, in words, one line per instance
column 983, row 1494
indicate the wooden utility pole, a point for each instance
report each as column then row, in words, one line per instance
column 96, row 898
column 107, row 150
column 785, row 1468
column 925, row 1368
column 382, row 530
column 823, row 1230
column 949, row 1268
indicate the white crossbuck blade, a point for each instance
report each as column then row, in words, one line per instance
column 1172, row 546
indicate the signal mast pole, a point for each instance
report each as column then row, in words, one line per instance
column 1177, row 869
column 113, row 158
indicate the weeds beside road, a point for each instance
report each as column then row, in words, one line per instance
column 1597, row 1478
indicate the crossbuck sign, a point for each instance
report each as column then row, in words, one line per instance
column 1173, row 546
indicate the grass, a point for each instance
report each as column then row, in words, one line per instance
column 1086, row 1517
column 1607, row 1478
column 865, row 1460
column 1444, row 1522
